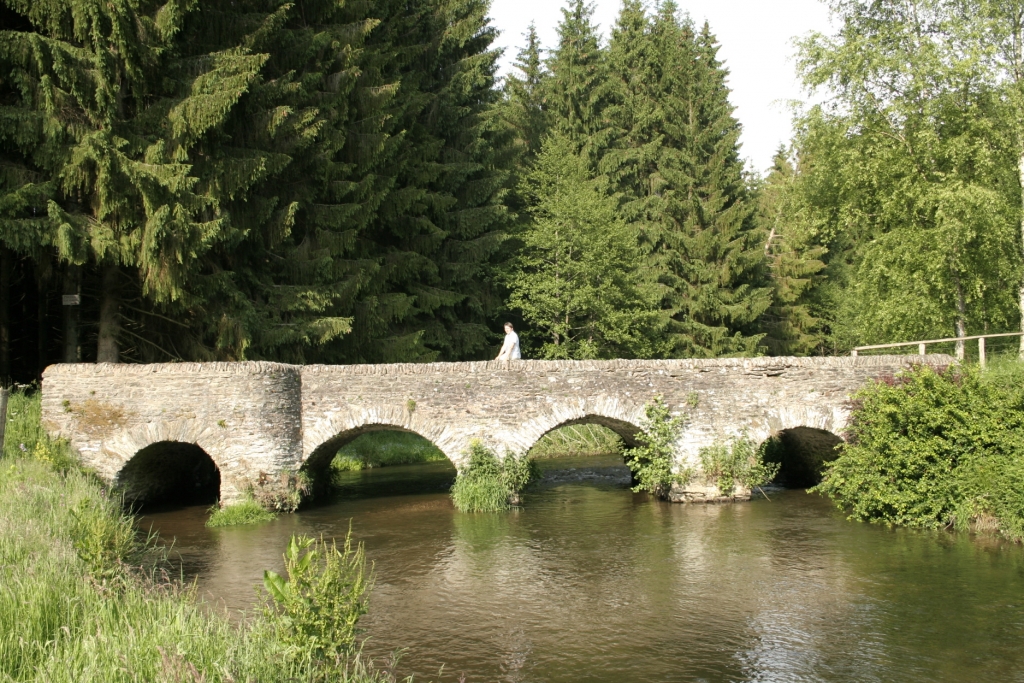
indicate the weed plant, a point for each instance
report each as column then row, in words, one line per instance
column 84, row 599
column 248, row 511
column 740, row 462
column 486, row 484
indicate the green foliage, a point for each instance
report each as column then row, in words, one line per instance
column 383, row 449
column 246, row 512
column 25, row 435
column 80, row 600
column 930, row 449
column 739, row 462
column 486, row 484
column 913, row 189
column 577, row 440
column 653, row 460
column 316, row 608
column 577, row 278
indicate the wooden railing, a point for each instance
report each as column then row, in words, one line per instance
column 922, row 346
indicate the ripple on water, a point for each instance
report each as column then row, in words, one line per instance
column 594, row 583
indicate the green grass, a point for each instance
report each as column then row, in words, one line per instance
column 246, row 512
column 381, row 449
column 575, row 441
column 82, row 598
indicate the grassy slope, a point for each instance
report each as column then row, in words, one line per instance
column 77, row 602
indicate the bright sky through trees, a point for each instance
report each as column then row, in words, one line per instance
column 756, row 38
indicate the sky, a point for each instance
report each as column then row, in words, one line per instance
column 756, row 38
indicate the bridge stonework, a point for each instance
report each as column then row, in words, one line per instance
column 259, row 420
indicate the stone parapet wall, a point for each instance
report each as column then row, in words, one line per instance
column 258, row 418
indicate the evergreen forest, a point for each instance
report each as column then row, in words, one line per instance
column 345, row 181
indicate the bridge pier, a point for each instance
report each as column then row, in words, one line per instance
column 260, row 422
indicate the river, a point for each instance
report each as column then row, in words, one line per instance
column 588, row 582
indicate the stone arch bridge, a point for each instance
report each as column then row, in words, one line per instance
column 142, row 426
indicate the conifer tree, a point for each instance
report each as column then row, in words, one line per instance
column 636, row 140
column 794, row 258
column 107, row 134
column 523, row 106
column 578, row 279
column 706, row 250
column 577, row 91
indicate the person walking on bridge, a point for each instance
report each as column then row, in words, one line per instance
column 510, row 349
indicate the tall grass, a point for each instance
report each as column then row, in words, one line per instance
column 574, row 441
column 381, row 449
column 248, row 511
column 486, row 484
column 82, row 598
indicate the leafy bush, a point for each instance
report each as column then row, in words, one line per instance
column 929, row 449
column 486, row 484
column 246, row 512
column 739, row 462
column 316, row 609
column 651, row 461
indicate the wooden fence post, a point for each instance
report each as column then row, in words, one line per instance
column 981, row 351
column 921, row 349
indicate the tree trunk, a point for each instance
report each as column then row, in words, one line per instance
column 72, row 287
column 3, row 418
column 961, row 318
column 6, row 266
column 1020, row 289
column 110, row 316
column 42, row 328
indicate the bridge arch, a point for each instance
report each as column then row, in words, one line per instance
column 170, row 471
column 801, row 440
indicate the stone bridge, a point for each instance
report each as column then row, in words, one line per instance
column 160, row 430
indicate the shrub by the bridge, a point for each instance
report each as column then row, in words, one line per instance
column 248, row 511
column 486, row 484
column 932, row 449
column 651, row 461
column 739, row 462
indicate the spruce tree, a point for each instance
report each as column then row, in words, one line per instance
column 794, row 258
column 706, row 248
column 578, row 279
column 113, row 130
column 577, row 91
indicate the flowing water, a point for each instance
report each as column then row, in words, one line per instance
column 590, row 582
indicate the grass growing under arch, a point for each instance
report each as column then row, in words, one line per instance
column 246, row 512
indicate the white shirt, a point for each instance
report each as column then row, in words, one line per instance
column 510, row 349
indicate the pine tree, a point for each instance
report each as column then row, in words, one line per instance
column 444, row 216
column 634, row 113
column 111, row 141
column 706, row 250
column 523, row 106
column 577, row 91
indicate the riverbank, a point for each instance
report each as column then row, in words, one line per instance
column 84, row 598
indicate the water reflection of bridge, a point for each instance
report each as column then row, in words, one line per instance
column 159, row 429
